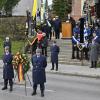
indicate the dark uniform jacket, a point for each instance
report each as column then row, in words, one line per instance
column 57, row 25
column 98, row 34
column 38, row 72
column 54, row 53
column 8, row 72
column 44, row 42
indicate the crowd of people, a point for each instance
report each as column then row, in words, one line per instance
column 86, row 45
column 39, row 62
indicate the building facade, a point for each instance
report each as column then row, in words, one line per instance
column 77, row 8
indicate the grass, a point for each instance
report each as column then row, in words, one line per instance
column 1, row 47
column 16, row 46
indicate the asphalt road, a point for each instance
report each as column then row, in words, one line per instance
column 58, row 87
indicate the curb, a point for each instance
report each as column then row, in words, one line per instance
column 74, row 74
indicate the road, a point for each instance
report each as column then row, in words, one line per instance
column 58, row 87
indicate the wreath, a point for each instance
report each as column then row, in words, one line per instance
column 20, row 58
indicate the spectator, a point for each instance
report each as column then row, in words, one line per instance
column 54, row 55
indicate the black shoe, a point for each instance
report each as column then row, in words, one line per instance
column 95, row 67
column 78, row 57
column 56, row 69
column 42, row 94
column 52, row 69
column 34, row 93
column 91, row 67
column 4, row 88
column 11, row 89
column 73, row 58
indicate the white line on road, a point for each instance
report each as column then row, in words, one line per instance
column 22, row 86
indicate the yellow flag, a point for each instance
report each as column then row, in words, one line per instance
column 34, row 10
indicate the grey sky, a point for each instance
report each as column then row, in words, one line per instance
column 23, row 5
column 49, row 2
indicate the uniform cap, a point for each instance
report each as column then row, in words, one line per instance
column 7, row 38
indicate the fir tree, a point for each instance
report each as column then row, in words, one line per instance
column 8, row 5
column 61, row 8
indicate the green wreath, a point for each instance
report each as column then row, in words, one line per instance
column 23, row 59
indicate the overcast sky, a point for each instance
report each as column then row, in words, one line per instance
column 23, row 5
column 49, row 2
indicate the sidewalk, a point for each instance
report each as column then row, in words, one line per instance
column 72, row 70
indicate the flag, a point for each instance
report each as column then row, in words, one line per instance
column 38, row 17
column 20, row 73
column 34, row 10
column 42, row 10
column 46, row 9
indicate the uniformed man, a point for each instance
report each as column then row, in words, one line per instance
column 94, row 50
column 87, row 33
column 57, row 27
column 54, row 55
column 97, row 31
column 8, row 73
column 39, row 64
column 7, row 42
column 75, row 40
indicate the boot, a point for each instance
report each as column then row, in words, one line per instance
column 4, row 88
column 42, row 93
column 34, row 92
column 73, row 57
column 11, row 88
column 95, row 64
column 52, row 68
column 5, row 84
column 92, row 64
column 56, row 66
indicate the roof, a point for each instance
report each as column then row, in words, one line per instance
column 23, row 5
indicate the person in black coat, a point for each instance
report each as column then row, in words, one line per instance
column 8, row 72
column 57, row 27
column 54, row 55
column 71, row 20
column 76, row 35
column 44, row 44
column 39, row 64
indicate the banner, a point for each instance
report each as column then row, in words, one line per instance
column 34, row 10
column 20, row 73
column 43, row 10
column 38, row 17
